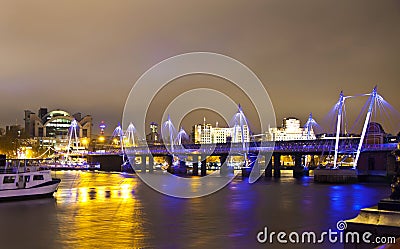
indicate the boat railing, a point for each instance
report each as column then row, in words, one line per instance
column 23, row 169
column 10, row 170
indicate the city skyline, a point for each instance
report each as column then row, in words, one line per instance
column 88, row 58
column 200, row 124
column 109, row 128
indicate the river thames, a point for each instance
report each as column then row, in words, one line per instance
column 110, row 210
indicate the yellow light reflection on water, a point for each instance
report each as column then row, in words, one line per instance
column 101, row 211
column 101, row 193
column 126, row 191
column 83, row 195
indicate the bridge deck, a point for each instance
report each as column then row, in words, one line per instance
column 323, row 146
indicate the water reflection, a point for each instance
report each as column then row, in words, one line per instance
column 100, row 210
column 105, row 211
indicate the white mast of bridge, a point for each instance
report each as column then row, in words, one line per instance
column 372, row 100
column 339, row 121
column 373, row 96
column 120, row 133
column 72, row 133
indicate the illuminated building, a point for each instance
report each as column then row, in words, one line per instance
column 206, row 134
column 290, row 130
column 153, row 136
column 202, row 134
column 220, row 135
column 52, row 127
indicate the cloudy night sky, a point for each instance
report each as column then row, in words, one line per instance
column 85, row 56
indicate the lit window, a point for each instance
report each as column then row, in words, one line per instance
column 9, row 179
column 38, row 177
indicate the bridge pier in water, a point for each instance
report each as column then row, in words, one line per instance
column 255, row 163
column 298, row 170
column 252, row 158
column 151, row 164
column 168, row 160
column 203, row 170
column 277, row 165
column 196, row 164
column 224, row 170
column 182, row 170
column 143, row 163
column 268, row 168
column 195, row 171
column 132, row 161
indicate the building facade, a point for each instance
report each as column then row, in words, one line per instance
column 50, row 127
column 290, row 130
column 207, row 134
column 153, row 136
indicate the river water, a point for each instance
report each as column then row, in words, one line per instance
column 110, row 210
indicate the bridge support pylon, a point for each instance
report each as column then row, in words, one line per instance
column 151, row 164
column 298, row 170
column 203, row 170
column 168, row 160
column 277, row 165
column 132, row 161
column 195, row 171
column 182, row 167
column 143, row 164
column 224, row 170
column 268, row 168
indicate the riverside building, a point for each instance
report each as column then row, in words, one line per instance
column 290, row 130
column 51, row 128
column 207, row 134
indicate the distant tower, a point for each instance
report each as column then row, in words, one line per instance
column 154, row 127
column 102, row 126
column 153, row 136
column 42, row 112
column 28, row 123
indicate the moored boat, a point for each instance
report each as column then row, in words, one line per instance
column 26, row 179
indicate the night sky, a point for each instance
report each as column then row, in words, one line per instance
column 84, row 56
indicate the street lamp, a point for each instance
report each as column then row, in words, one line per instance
column 102, row 139
column 85, row 141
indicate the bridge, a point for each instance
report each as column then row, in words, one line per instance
column 298, row 150
column 312, row 147
column 340, row 148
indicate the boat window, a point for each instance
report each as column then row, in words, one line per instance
column 38, row 177
column 27, row 178
column 9, row 179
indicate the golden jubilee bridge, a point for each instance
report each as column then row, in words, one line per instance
column 361, row 144
column 295, row 155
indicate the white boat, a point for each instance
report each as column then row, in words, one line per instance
column 20, row 179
